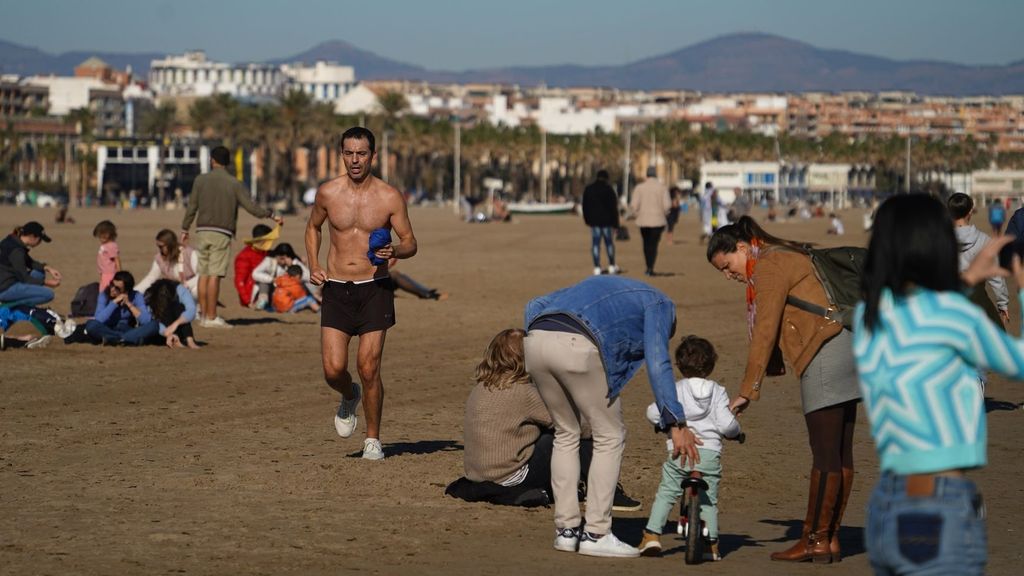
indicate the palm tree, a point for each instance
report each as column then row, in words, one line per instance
column 296, row 123
column 158, row 123
column 84, row 122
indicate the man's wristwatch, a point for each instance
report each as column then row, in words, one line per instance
column 678, row 424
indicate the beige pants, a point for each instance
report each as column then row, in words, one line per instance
column 569, row 374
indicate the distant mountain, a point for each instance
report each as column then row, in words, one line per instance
column 746, row 62
column 26, row 61
column 368, row 65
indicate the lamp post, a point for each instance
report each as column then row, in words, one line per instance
column 625, row 168
column 543, row 166
column 458, row 163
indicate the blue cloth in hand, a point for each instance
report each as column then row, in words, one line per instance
column 379, row 238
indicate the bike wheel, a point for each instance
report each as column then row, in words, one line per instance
column 694, row 539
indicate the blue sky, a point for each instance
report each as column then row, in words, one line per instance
column 460, row 34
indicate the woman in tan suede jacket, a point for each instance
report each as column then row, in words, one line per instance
column 819, row 350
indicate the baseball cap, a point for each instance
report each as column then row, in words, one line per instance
column 35, row 229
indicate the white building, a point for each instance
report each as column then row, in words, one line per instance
column 324, row 81
column 68, row 92
column 358, row 100
column 997, row 184
column 758, row 179
column 192, row 74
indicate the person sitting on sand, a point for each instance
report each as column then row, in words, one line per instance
column 290, row 294
column 174, row 308
column 173, row 261
column 509, row 434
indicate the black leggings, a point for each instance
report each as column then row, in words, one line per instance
column 830, row 432
column 651, row 237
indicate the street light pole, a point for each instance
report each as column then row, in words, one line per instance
column 458, row 164
column 543, row 166
column 906, row 184
column 384, row 157
column 625, row 167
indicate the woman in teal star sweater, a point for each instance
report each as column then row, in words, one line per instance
column 919, row 345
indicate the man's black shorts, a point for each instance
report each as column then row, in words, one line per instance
column 358, row 308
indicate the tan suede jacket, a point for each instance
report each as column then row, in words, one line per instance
column 799, row 334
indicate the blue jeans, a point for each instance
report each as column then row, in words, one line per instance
column 101, row 333
column 302, row 304
column 597, row 233
column 28, row 294
column 939, row 534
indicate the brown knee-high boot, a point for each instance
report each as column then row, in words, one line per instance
column 815, row 537
column 837, row 518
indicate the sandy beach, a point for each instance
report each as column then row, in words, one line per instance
column 224, row 460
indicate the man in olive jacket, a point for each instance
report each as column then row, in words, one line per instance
column 213, row 205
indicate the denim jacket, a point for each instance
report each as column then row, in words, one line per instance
column 631, row 322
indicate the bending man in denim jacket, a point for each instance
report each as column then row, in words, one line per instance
column 583, row 345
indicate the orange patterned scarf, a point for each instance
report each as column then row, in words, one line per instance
column 755, row 252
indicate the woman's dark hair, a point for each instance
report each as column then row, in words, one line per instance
column 162, row 299
column 284, row 249
column 695, row 357
column 124, row 277
column 260, row 230
column 744, row 230
column 912, row 244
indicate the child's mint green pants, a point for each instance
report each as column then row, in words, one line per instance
column 671, row 489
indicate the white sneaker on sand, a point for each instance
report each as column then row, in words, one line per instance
column 217, row 322
column 613, row 269
column 567, row 539
column 372, row 450
column 597, row 271
column 65, row 328
column 345, row 420
column 607, row 546
column 41, row 342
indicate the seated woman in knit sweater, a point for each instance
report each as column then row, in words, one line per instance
column 509, row 436
column 173, row 261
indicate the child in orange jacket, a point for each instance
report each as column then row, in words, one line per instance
column 289, row 293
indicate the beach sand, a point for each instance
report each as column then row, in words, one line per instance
column 225, row 460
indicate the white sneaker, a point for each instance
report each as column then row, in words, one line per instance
column 372, row 449
column 567, row 539
column 345, row 420
column 597, row 271
column 607, row 546
column 65, row 328
column 613, row 269
column 41, row 342
column 217, row 322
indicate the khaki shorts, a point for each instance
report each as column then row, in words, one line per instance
column 214, row 253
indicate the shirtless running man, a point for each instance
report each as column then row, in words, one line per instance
column 356, row 300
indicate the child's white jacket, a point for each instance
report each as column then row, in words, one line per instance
column 706, row 406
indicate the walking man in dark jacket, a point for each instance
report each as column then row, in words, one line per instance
column 601, row 213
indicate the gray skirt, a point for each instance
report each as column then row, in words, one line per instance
column 831, row 377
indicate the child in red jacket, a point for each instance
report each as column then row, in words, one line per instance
column 249, row 258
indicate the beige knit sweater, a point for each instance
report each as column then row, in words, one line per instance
column 500, row 429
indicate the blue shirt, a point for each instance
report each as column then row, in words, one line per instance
column 185, row 297
column 631, row 322
column 919, row 377
column 120, row 317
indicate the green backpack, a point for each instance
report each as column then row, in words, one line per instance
column 838, row 270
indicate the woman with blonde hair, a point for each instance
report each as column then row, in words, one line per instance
column 173, row 261
column 509, row 433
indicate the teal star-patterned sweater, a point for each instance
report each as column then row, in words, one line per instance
column 919, row 377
